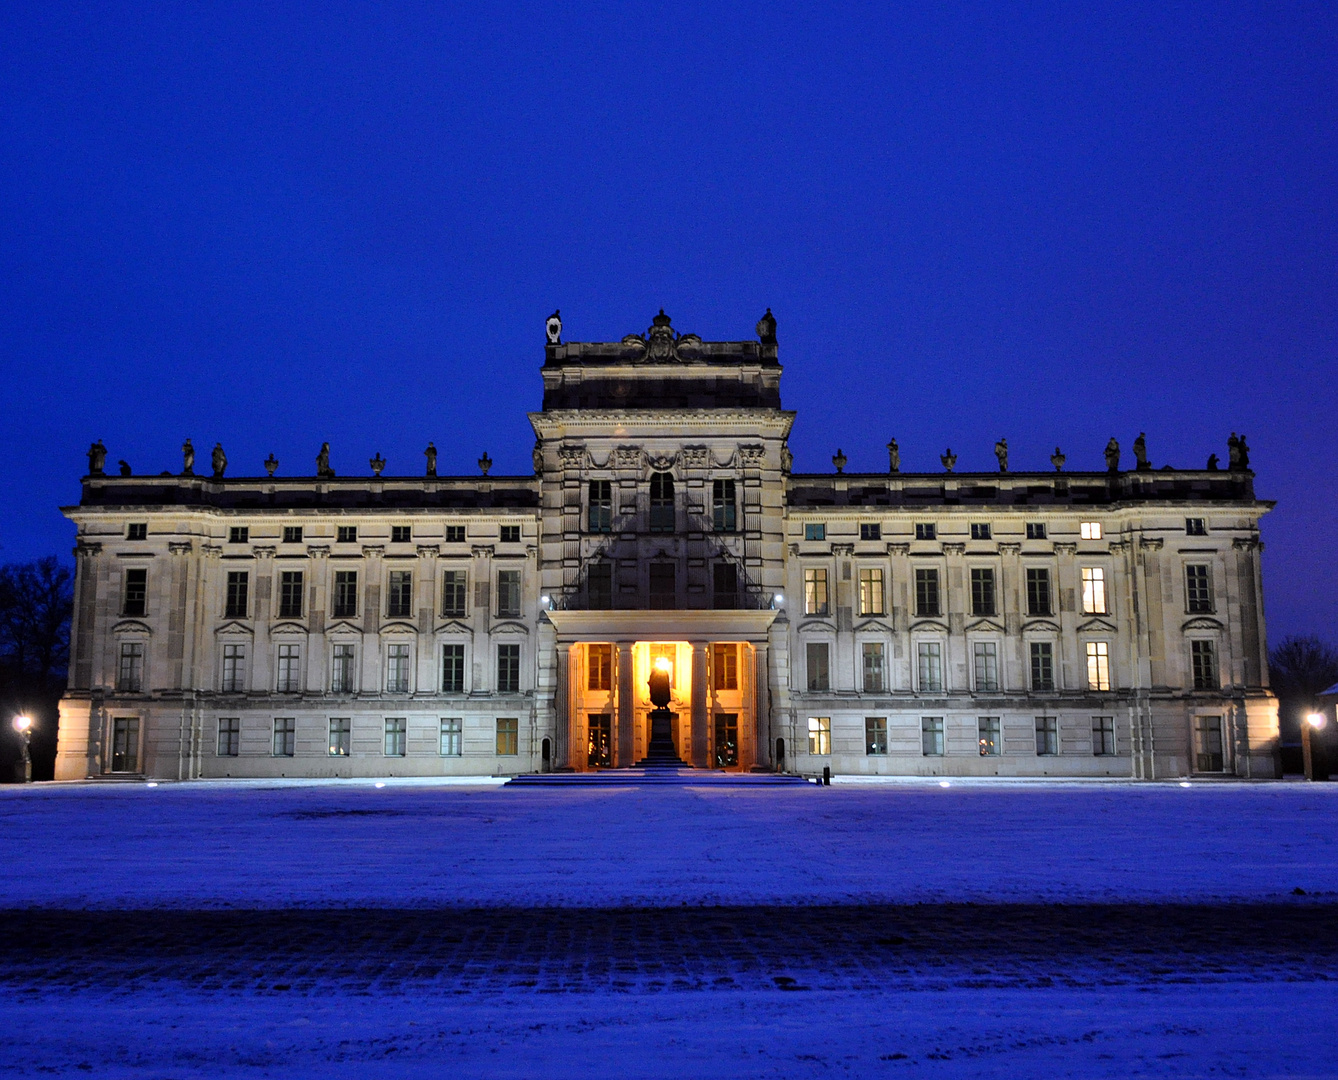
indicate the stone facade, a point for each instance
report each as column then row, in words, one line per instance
column 955, row 624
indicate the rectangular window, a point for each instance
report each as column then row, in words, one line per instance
column 508, row 737
column 875, row 735
column 510, row 534
column 136, row 592
column 288, row 673
column 819, row 734
column 1196, row 527
column 290, row 594
column 985, row 659
column 401, row 534
column 723, row 509
column 982, row 591
column 396, row 736
column 599, row 667
column 234, row 606
column 455, row 534
column 137, row 531
column 125, row 744
column 453, row 586
column 399, row 594
column 599, row 745
column 926, row 530
column 239, row 534
column 508, row 594
column 990, row 744
column 1047, row 736
column 725, row 586
column 661, row 502
column 872, row 653
column 1098, row 665
column 663, row 587
column 725, row 666
column 341, row 669
column 926, row 591
column 815, row 531
column 229, row 736
column 1090, row 530
column 1038, row 591
column 815, row 592
column 931, row 736
column 599, row 586
column 1103, row 736
column 130, row 675
column 451, row 731
column 1042, row 665
column 980, row 530
column 726, row 740
column 397, row 669
column 816, row 654
column 453, row 669
column 929, row 665
column 340, row 736
column 345, row 605
column 1208, row 756
column 871, row 590
column 292, row 534
column 508, row 669
column 346, row 534
column 285, row 737
column 870, row 530
column 1203, row 659
column 1035, row 530
column 1199, row 589
column 601, row 506
column 234, row 669
column 1093, row 590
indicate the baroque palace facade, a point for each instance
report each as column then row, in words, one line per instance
column 955, row 624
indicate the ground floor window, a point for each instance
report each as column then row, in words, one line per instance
column 450, row 736
column 1047, row 735
column 599, row 743
column 875, row 735
column 1103, row 736
column 340, row 736
column 396, row 736
column 229, row 736
column 990, row 744
column 508, row 737
column 819, row 734
column 1208, row 744
column 125, row 744
column 726, row 740
column 931, row 735
column 285, row 736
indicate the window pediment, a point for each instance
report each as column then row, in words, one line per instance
column 1040, row 626
column 1202, row 623
column 454, row 626
column 872, row 625
column 234, row 629
column 397, row 628
column 343, row 627
column 1097, row 626
column 929, row 626
column 988, row 626
column 131, row 626
column 288, row 629
column 510, row 628
column 812, row 625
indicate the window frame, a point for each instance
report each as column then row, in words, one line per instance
column 873, row 648
column 984, row 592
column 450, row 736
column 932, row 734
column 508, row 534
column 448, row 667
column 813, row 670
column 820, row 736
column 1204, row 674
column 1040, row 601
column 454, row 585
column 346, row 534
column 875, row 736
column 343, row 667
column 985, row 652
column 283, row 737
column 980, row 530
column 1097, row 656
column 926, row 530
column 1095, row 596
column 989, row 736
column 1089, row 530
column 229, row 740
column 928, row 587
column 663, row 504
column 817, row 591
column 1101, row 727
column 872, row 591
column 658, row 573
column 399, row 667
column 236, row 594
column 399, row 594
column 1200, row 595
column 510, row 593
column 339, row 740
column 239, row 534
column 511, row 668
column 1038, row 686
column 724, row 506
column 929, row 649
column 232, row 668
column 599, row 507
column 395, row 736
column 815, row 530
column 724, row 665
column 288, row 668
column 135, row 592
column 1047, row 736
column 292, row 585
column 508, row 736
column 344, row 595
column 292, row 534
column 870, row 530
column 1036, row 530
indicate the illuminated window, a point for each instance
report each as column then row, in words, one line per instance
column 931, row 736
column 1203, row 658
column 725, row 666
column 401, row 534
column 1208, row 755
column 926, row 530
column 510, row 534
column 980, row 530
column 292, row 534
column 234, row 669
column 346, row 534
column 926, row 591
column 723, row 511
column 451, row 730
column 137, row 531
column 1042, row 665
column 341, row 728
column 345, row 604
column 1103, row 736
column 815, row 531
column 990, row 744
column 290, row 594
column 816, row 654
column 599, row 667
column 599, row 747
column 1036, row 530
column 929, row 657
column 1038, row 591
column 1198, row 589
column 873, row 666
column 1047, row 736
column 341, row 669
column 399, row 594
column 397, row 669
column 661, row 502
column 288, row 673
column 453, row 669
column 229, row 736
column 508, row 669
column 508, row 737
column 1196, row 527
column 1090, row 530
column 1093, row 590
column 1098, row 665
column 982, row 591
column 819, row 734
column 453, row 586
column 455, row 534
column 985, row 657
column 815, row 592
column 234, row 606
column 875, row 735
column 396, row 736
column 136, row 592
column 601, row 506
column 285, row 737
column 871, row 591
column 870, row 530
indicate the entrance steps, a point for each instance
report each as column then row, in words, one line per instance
column 656, row 776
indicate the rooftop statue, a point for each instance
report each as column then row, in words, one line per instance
column 219, row 461
column 323, row 462
column 766, row 328
column 377, row 463
column 1212, row 463
column 553, row 328
column 97, row 459
column 187, row 459
column 1113, row 455
column 271, row 463
column 839, row 460
column 948, row 458
column 1239, row 453
column 125, row 467
column 485, row 463
column 1057, row 459
column 1001, row 452
column 1141, row 453
column 431, row 454
column 893, row 457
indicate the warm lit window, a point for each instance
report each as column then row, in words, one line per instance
column 1038, row 591
column 599, row 667
column 229, row 736
column 288, row 672
column 874, row 681
column 508, row 737
column 980, row 530
column 399, row 594
column 725, row 666
column 237, row 594
column 926, row 591
column 819, row 734
column 508, row 594
column 815, row 592
column 508, row 669
column 1093, row 590
column 599, row 740
column 931, row 736
column 1203, row 658
column 1042, row 665
column 815, row 531
column 817, row 656
column 136, row 592
column 1090, row 530
column 234, row 669
column 345, row 604
column 985, row 659
column 285, row 737
column 929, row 666
column 1103, row 736
column 453, row 593
column 870, row 530
column 661, row 502
column 990, row 743
column 926, row 530
column 875, row 735
column 397, row 669
column 1047, row 736
column 723, row 511
column 341, row 737
column 341, row 669
column 871, row 590
column 982, row 591
column 601, row 506
column 453, row 669
column 1098, row 665
column 290, row 594
column 451, row 730
column 396, row 736
column 1198, row 589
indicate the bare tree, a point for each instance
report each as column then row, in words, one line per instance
column 36, row 600
column 1300, row 669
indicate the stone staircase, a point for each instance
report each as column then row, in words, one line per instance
column 652, row 775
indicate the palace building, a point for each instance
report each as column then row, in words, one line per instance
column 1061, row 624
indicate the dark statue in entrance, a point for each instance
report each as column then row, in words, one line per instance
column 661, row 751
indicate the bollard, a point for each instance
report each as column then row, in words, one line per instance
column 826, row 776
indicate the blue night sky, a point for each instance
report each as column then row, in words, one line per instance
column 275, row 227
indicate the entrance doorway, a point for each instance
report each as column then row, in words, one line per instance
column 726, row 740
column 599, row 751
column 125, row 744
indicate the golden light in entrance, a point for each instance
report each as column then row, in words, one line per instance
column 663, row 664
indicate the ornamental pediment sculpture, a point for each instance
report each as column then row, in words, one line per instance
column 627, row 457
column 662, row 343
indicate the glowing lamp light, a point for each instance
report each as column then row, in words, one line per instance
column 779, row 600
column 663, row 664
column 22, row 723
column 1184, row 783
column 545, row 602
column 1315, row 720
column 944, row 783
column 378, row 784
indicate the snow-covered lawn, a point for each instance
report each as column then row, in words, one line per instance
column 415, row 844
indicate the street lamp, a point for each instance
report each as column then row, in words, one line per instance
column 1312, row 747
column 24, row 726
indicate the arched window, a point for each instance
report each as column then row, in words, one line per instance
column 661, row 502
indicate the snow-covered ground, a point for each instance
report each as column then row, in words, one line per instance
column 406, row 844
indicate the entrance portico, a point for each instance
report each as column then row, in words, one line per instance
column 718, row 663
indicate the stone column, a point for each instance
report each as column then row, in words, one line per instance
column 700, row 740
column 562, row 739
column 762, row 738
column 624, row 752
column 425, row 592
